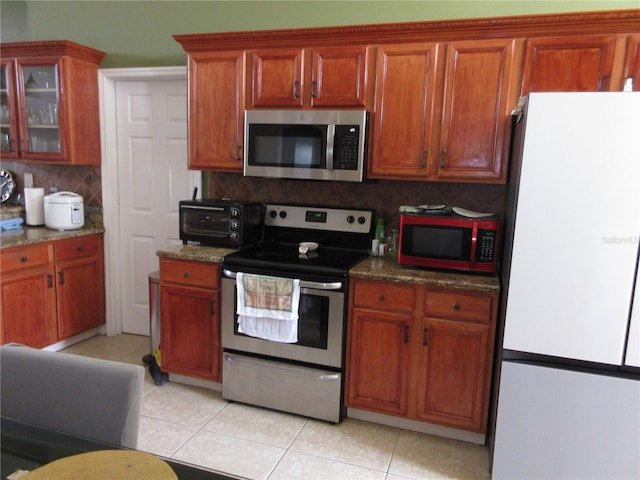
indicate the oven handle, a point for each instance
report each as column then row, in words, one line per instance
column 303, row 283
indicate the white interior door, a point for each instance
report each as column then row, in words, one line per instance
column 152, row 178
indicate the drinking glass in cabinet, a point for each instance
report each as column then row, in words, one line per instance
column 41, row 78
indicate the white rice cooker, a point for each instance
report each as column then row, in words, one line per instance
column 63, row 211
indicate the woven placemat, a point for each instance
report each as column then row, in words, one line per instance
column 106, row 465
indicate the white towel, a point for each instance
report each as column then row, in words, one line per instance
column 268, row 307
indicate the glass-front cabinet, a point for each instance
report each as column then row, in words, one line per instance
column 49, row 103
column 8, row 127
column 31, row 120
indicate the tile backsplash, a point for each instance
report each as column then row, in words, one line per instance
column 85, row 181
column 384, row 196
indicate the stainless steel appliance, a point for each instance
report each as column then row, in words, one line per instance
column 569, row 393
column 221, row 223
column 306, row 144
column 449, row 241
column 305, row 377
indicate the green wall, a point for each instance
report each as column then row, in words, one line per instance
column 138, row 33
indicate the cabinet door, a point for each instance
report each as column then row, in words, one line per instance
column 479, row 95
column 403, row 124
column 632, row 62
column 379, row 361
column 80, row 294
column 41, row 114
column 216, row 111
column 568, row 64
column 339, row 77
column 28, row 307
column 190, row 331
column 9, row 140
column 277, row 78
column 453, row 379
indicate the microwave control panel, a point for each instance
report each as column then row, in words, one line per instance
column 486, row 245
column 345, row 147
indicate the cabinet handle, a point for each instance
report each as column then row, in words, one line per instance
column 443, row 159
column 238, row 147
column 423, row 159
column 405, row 334
column 425, row 336
column 296, row 89
column 381, row 298
column 456, row 307
column 212, row 311
column 187, row 274
column 49, row 281
column 24, row 259
column 313, row 88
column 61, row 278
column 80, row 249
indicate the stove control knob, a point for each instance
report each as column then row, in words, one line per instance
column 235, row 224
column 234, row 236
column 283, row 214
column 273, row 213
column 350, row 219
column 362, row 220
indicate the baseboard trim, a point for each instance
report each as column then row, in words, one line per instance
column 415, row 426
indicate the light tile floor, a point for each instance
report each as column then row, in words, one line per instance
column 197, row 426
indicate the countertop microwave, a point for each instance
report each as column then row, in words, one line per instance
column 451, row 242
column 306, row 144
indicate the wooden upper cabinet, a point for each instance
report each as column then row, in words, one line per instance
column 277, row 77
column 313, row 77
column 340, row 76
column 632, row 61
column 569, row 64
column 216, row 110
column 403, row 123
column 480, row 91
column 49, row 97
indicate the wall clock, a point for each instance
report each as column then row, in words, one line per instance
column 7, row 185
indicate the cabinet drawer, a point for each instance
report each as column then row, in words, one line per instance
column 76, row 247
column 384, row 296
column 458, row 306
column 197, row 274
column 24, row 257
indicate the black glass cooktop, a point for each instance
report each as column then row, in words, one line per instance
column 286, row 258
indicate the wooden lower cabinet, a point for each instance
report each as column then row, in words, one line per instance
column 421, row 353
column 79, row 276
column 190, row 306
column 51, row 291
column 452, row 381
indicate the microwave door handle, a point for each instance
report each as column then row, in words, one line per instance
column 474, row 244
column 303, row 283
column 331, row 132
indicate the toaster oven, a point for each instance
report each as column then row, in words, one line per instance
column 220, row 223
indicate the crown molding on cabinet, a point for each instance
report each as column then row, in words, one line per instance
column 610, row 21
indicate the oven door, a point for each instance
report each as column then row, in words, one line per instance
column 320, row 325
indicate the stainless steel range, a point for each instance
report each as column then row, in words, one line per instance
column 301, row 374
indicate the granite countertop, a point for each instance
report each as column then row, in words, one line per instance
column 29, row 235
column 387, row 269
column 375, row 268
column 196, row 253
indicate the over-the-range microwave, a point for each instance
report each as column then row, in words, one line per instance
column 306, row 144
column 451, row 242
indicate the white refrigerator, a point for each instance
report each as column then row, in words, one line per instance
column 568, row 402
